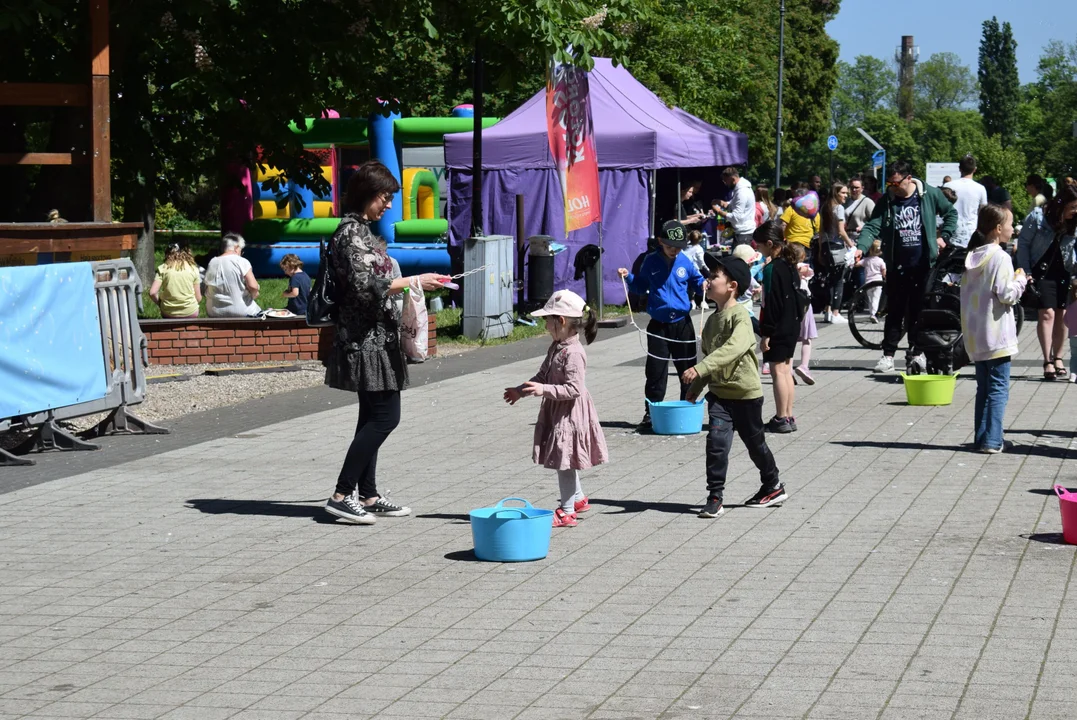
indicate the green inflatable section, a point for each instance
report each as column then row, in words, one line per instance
column 266, row 231
column 431, row 131
column 421, row 230
column 339, row 131
column 426, row 179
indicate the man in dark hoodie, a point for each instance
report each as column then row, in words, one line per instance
column 904, row 220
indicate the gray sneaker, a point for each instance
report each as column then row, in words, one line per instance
column 885, row 364
column 384, row 506
column 350, row 509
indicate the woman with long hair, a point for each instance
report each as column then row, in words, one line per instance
column 177, row 287
column 764, row 209
column 836, row 245
column 367, row 356
column 1044, row 233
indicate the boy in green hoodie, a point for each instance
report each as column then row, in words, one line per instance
column 730, row 371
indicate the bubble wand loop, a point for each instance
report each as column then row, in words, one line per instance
column 641, row 331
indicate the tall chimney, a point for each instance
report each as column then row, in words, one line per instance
column 906, row 57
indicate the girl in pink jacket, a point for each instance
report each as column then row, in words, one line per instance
column 989, row 290
column 568, row 437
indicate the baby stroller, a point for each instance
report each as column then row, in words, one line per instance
column 937, row 331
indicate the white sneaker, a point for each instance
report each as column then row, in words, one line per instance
column 885, row 364
column 873, row 320
column 1073, row 377
column 826, row 317
column 838, row 319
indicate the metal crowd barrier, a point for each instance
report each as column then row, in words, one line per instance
column 125, row 354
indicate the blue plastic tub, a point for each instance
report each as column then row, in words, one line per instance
column 511, row 534
column 676, row 417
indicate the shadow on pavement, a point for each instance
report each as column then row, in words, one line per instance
column 636, row 506
column 901, row 445
column 1058, row 453
column 1048, row 491
column 460, row 517
column 1060, row 434
column 1046, row 538
column 269, row 508
column 462, row 556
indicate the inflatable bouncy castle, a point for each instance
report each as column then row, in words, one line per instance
column 277, row 217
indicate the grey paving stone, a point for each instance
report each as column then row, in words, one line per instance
column 903, row 578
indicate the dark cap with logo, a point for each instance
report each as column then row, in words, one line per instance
column 735, row 268
column 673, row 234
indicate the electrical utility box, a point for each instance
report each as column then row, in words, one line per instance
column 488, row 293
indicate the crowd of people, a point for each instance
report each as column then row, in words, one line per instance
column 227, row 283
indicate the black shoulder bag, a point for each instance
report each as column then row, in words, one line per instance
column 322, row 305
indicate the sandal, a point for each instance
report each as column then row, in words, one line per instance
column 1049, row 371
column 1060, row 367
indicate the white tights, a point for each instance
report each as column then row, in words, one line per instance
column 569, row 482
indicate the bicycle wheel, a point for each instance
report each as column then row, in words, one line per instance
column 868, row 331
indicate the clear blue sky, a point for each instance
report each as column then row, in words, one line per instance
column 875, row 27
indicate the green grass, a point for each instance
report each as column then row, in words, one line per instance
column 271, row 296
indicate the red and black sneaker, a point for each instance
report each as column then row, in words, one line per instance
column 766, row 497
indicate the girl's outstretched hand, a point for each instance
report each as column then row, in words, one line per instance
column 512, row 395
column 531, row 389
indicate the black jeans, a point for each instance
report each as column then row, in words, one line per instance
column 683, row 354
column 836, row 286
column 379, row 414
column 746, row 418
column 904, row 300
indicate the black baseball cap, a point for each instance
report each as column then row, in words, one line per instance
column 734, row 267
column 673, row 234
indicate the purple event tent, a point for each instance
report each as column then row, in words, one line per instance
column 635, row 135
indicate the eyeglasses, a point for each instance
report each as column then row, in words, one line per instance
column 892, row 184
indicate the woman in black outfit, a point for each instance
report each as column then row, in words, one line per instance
column 780, row 325
column 366, row 356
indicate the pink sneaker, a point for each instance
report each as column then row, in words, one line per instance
column 766, row 368
column 564, row 519
column 581, row 505
column 803, row 374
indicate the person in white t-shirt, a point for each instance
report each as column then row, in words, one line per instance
column 971, row 196
column 230, row 287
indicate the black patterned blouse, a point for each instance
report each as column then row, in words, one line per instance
column 366, row 353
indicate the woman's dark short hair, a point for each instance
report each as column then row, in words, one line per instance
column 369, row 181
column 772, row 231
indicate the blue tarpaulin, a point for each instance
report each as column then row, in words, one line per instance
column 50, row 339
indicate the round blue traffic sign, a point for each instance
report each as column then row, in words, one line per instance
column 832, row 143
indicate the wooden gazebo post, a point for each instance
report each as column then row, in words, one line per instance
column 19, row 240
column 99, row 105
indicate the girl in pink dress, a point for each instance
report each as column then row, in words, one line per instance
column 568, row 437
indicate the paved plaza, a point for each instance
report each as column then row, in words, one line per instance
column 905, row 577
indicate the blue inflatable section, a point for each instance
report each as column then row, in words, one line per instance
column 384, row 148
column 51, row 353
column 413, row 259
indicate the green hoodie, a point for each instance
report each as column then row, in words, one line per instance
column 730, row 366
column 932, row 203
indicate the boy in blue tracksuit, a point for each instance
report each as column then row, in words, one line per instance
column 670, row 279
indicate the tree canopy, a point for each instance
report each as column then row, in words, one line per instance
column 999, row 83
column 869, row 84
column 943, row 83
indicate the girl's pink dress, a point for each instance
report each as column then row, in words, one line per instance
column 567, row 434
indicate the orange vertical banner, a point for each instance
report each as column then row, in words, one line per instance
column 572, row 143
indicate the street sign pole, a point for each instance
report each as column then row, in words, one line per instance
column 876, row 155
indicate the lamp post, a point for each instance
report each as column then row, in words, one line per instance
column 781, row 78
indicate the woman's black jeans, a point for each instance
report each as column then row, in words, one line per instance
column 379, row 414
column 836, row 287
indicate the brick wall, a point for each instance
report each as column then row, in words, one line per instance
column 213, row 340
